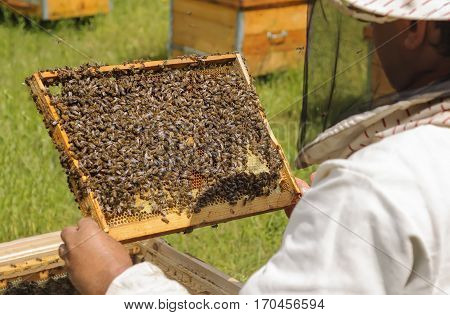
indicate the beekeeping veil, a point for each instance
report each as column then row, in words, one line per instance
column 342, row 73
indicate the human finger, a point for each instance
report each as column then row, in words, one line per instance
column 87, row 222
column 311, row 177
column 62, row 251
column 302, row 184
column 68, row 233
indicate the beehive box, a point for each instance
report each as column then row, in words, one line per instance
column 32, row 266
column 148, row 222
column 50, row 10
column 270, row 34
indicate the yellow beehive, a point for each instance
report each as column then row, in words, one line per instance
column 59, row 9
column 270, row 34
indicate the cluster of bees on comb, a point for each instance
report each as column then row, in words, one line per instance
column 155, row 141
column 51, row 286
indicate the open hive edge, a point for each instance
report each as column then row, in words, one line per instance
column 35, row 261
column 144, row 224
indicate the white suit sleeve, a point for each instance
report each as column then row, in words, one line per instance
column 375, row 223
column 145, row 278
column 346, row 236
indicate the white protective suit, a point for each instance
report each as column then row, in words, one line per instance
column 377, row 218
column 377, row 222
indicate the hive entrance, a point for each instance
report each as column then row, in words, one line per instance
column 143, row 143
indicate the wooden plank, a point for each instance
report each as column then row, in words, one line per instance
column 151, row 65
column 260, row 44
column 257, row 4
column 260, row 63
column 204, row 10
column 29, row 256
column 23, row 7
column 36, row 258
column 286, row 170
column 210, row 215
column 96, row 212
column 243, row 69
column 204, row 35
column 60, row 9
column 266, row 33
column 29, row 248
column 44, row 103
column 276, row 20
column 276, row 60
column 197, row 276
column 50, row 116
column 62, row 139
column 20, row 4
column 32, row 255
column 272, row 37
column 38, row 265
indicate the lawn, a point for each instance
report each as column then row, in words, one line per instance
column 34, row 196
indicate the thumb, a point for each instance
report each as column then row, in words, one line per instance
column 304, row 187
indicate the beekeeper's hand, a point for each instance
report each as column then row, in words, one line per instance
column 304, row 187
column 93, row 259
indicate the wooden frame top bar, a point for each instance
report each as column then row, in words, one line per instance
column 180, row 62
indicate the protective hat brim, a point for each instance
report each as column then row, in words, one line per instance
column 382, row 11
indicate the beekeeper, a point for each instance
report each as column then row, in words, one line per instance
column 377, row 217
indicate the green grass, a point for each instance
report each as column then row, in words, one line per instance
column 34, row 196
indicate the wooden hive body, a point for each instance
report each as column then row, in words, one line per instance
column 128, row 228
column 35, row 259
column 51, row 10
column 270, row 34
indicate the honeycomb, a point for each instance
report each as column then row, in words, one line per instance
column 149, row 143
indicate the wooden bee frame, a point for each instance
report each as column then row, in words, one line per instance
column 286, row 194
